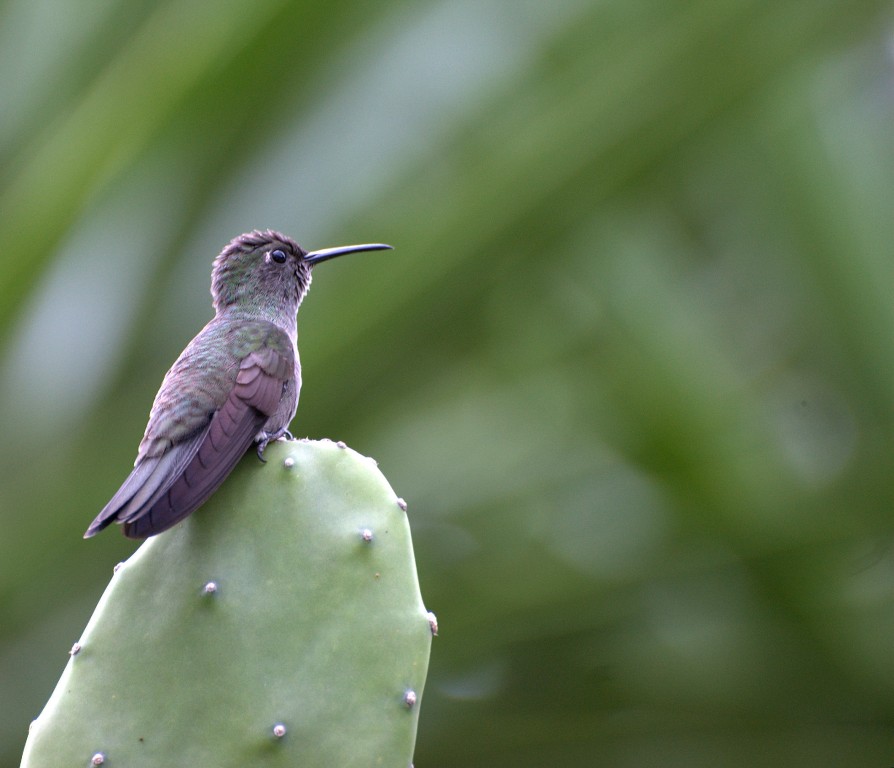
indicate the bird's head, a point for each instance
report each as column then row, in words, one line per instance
column 268, row 271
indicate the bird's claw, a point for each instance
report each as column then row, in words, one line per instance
column 269, row 438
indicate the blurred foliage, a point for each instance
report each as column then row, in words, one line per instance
column 631, row 362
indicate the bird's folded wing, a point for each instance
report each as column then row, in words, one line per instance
column 163, row 490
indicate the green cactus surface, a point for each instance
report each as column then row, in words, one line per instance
column 280, row 625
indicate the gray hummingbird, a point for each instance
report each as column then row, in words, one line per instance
column 236, row 383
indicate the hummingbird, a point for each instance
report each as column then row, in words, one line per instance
column 236, row 384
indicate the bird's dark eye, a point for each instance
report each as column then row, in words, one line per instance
column 278, row 256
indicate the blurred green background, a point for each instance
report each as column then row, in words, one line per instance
column 631, row 362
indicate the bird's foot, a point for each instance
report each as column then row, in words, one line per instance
column 269, row 437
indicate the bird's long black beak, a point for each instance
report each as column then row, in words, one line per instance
column 315, row 257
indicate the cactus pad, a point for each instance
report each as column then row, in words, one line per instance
column 280, row 625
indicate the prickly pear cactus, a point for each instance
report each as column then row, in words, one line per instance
column 280, row 625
